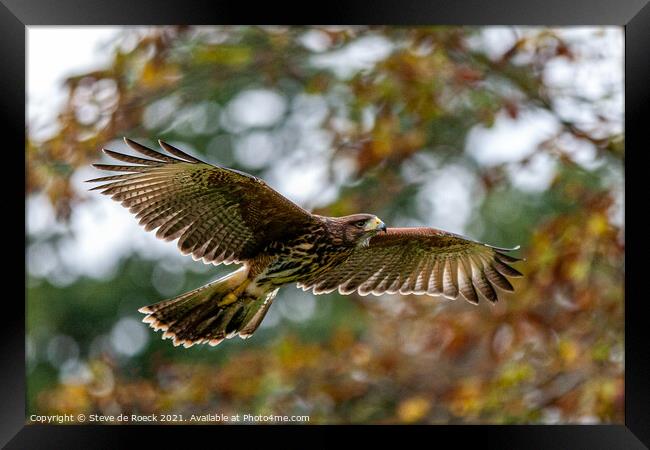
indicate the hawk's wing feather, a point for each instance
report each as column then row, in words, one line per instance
column 219, row 215
column 421, row 261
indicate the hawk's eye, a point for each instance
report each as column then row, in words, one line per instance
column 360, row 224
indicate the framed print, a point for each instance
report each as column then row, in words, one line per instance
column 413, row 218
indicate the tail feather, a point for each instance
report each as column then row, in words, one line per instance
column 211, row 313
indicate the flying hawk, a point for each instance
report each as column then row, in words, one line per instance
column 224, row 216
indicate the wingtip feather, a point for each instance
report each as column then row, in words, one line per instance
column 178, row 152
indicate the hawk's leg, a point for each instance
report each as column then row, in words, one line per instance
column 233, row 296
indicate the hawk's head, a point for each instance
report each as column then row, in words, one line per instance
column 357, row 229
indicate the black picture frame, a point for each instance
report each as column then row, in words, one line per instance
column 634, row 15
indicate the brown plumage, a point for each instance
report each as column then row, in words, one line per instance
column 223, row 216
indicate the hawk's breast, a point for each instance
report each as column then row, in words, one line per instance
column 301, row 259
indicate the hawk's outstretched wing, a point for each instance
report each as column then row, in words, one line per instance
column 420, row 261
column 219, row 215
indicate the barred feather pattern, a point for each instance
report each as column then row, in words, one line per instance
column 218, row 215
column 421, row 261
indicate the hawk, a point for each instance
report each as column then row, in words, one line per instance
column 223, row 216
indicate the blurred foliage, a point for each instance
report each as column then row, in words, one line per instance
column 551, row 352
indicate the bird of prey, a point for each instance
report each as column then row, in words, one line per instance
column 223, row 216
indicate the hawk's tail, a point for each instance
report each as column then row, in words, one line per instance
column 211, row 313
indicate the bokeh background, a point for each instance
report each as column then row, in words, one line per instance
column 510, row 135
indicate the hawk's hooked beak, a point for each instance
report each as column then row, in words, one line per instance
column 375, row 225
